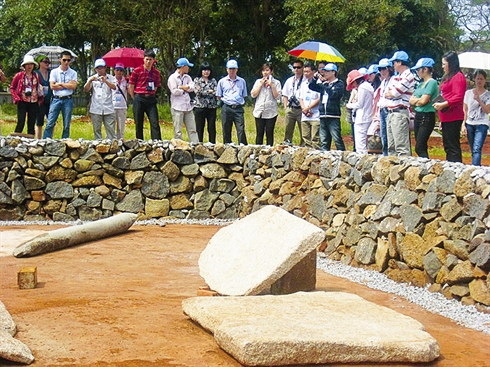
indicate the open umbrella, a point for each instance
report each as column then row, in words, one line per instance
column 130, row 57
column 315, row 50
column 474, row 60
column 52, row 52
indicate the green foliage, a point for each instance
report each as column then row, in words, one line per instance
column 252, row 31
column 365, row 31
column 8, row 109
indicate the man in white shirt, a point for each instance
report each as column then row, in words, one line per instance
column 63, row 82
column 180, row 85
column 310, row 117
column 398, row 94
column 290, row 98
column 101, row 106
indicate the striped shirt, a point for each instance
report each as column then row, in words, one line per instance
column 401, row 88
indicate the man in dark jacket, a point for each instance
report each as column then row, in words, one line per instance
column 331, row 91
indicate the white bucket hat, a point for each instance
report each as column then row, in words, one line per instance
column 29, row 59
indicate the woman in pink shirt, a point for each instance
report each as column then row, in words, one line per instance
column 451, row 114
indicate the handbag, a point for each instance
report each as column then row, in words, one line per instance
column 375, row 144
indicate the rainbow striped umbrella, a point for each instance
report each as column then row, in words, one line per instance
column 314, row 50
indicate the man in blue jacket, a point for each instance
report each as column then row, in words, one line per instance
column 331, row 91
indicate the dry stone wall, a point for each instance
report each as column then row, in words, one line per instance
column 416, row 220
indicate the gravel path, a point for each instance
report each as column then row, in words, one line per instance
column 436, row 303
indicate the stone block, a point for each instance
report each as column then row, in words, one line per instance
column 27, row 277
column 301, row 277
column 38, row 195
column 251, row 254
column 311, row 328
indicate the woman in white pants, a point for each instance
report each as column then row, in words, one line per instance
column 363, row 108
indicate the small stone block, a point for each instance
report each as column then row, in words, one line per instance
column 27, row 277
column 206, row 293
column 204, row 288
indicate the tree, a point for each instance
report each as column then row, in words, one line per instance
column 473, row 17
column 365, row 31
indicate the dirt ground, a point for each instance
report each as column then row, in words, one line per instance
column 117, row 302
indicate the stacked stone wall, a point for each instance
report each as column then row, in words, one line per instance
column 416, row 220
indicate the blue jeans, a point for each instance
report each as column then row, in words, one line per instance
column 476, row 138
column 383, row 117
column 330, row 130
column 65, row 106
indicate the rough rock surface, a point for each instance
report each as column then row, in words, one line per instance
column 14, row 350
column 307, row 328
column 249, row 255
column 7, row 323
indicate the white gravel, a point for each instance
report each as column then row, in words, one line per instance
column 436, row 303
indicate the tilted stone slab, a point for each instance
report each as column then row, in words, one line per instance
column 249, row 255
column 7, row 323
column 311, row 328
column 14, row 350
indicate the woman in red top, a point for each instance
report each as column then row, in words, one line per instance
column 451, row 114
column 27, row 93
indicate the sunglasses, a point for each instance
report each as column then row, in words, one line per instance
column 66, row 60
column 381, row 68
column 297, row 67
column 46, row 61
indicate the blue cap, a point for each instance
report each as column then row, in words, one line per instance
column 330, row 67
column 400, row 56
column 373, row 69
column 384, row 63
column 424, row 62
column 99, row 62
column 183, row 62
column 232, row 64
column 362, row 70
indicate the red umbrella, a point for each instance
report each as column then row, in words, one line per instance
column 130, row 57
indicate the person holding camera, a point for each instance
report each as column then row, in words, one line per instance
column 181, row 85
column 63, row 82
column 143, row 85
column 290, row 98
column 101, row 106
column 27, row 93
column 43, row 73
column 266, row 90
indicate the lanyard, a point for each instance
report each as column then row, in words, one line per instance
column 232, row 83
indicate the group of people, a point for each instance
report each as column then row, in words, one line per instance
column 47, row 93
column 384, row 98
column 386, row 94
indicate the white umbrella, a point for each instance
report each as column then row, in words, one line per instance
column 474, row 60
column 52, row 52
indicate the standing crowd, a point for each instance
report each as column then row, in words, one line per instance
column 387, row 100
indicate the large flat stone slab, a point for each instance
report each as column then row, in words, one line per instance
column 311, row 328
column 249, row 255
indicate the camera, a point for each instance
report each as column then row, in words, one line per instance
column 293, row 102
column 28, row 92
column 148, row 88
